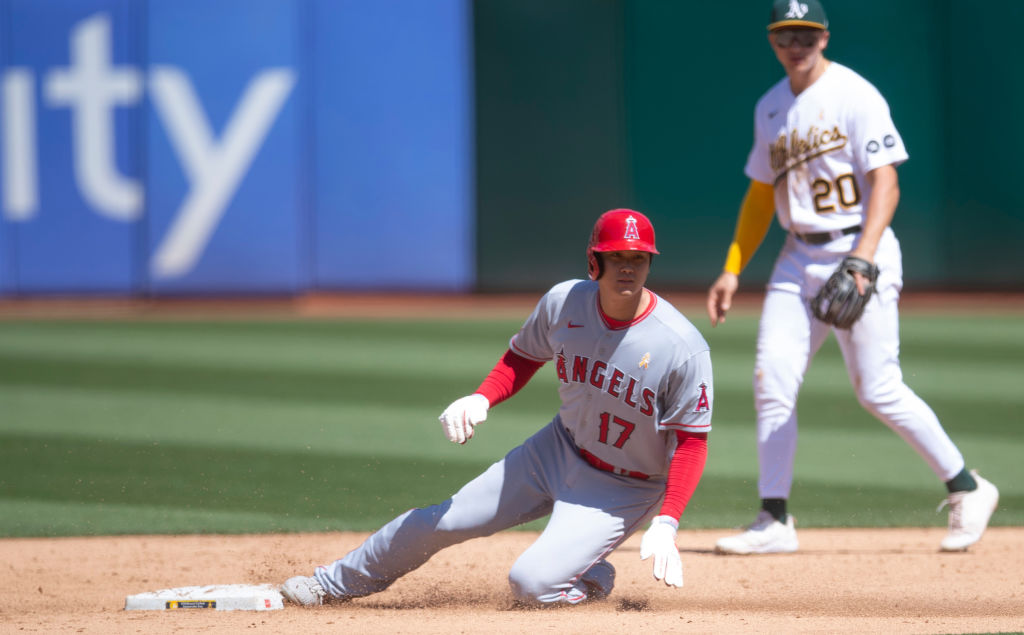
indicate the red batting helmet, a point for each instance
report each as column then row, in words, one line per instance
column 619, row 230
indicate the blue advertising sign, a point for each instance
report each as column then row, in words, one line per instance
column 238, row 146
column 395, row 195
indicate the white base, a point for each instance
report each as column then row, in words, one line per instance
column 220, row 597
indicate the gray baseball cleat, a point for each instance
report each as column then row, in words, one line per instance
column 969, row 513
column 599, row 580
column 304, row 591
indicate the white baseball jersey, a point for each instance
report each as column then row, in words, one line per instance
column 623, row 389
column 816, row 148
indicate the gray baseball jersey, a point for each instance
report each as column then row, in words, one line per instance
column 622, row 388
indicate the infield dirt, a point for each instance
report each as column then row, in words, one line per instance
column 842, row 581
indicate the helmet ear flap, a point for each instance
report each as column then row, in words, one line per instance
column 593, row 265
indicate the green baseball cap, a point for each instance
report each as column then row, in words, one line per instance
column 789, row 13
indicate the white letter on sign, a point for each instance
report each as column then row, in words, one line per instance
column 91, row 87
column 21, row 168
column 213, row 170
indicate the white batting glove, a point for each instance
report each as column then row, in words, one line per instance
column 458, row 419
column 660, row 541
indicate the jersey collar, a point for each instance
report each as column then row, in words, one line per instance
column 618, row 325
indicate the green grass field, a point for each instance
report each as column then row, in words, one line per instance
column 112, row 427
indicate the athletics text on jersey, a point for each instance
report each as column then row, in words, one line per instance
column 817, row 147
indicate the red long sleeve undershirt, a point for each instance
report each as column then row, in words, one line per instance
column 512, row 372
column 509, row 375
column 684, row 471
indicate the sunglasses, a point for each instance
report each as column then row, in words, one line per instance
column 785, row 38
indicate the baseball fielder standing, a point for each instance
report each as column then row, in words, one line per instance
column 628, row 444
column 824, row 158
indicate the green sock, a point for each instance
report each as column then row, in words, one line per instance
column 962, row 482
column 776, row 507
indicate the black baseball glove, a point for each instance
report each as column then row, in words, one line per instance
column 838, row 302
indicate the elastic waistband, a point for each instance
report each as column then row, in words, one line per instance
column 821, row 238
column 608, row 467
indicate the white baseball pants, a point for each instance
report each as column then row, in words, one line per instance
column 790, row 335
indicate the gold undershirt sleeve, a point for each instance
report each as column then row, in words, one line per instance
column 755, row 217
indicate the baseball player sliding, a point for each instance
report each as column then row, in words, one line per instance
column 628, row 444
column 824, row 159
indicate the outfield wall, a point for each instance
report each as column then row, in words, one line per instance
column 666, row 129
column 164, row 147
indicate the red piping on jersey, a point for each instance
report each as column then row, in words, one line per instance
column 618, row 325
column 689, row 426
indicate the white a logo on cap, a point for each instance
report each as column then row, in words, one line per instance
column 631, row 231
column 796, row 10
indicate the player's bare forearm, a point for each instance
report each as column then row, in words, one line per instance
column 720, row 296
column 885, row 196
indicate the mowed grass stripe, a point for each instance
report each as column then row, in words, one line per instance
column 392, row 429
column 352, row 490
column 360, row 385
column 276, row 346
column 390, row 352
column 398, row 431
column 825, row 395
column 29, row 518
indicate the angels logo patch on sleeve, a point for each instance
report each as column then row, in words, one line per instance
column 703, row 405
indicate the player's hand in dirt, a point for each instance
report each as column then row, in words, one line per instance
column 459, row 419
column 660, row 541
column 720, row 296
